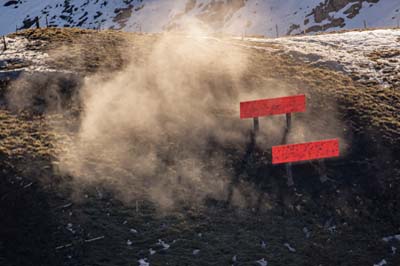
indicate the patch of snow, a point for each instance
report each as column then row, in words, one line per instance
column 163, row 244
column 381, row 263
column 289, row 247
column 143, row 262
column 390, row 238
column 262, row 262
column 306, row 232
column 349, row 52
column 263, row 244
column 196, row 251
column 20, row 59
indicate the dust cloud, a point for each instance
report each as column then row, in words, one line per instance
column 150, row 129
column 167, row 126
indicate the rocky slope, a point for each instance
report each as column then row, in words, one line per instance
column 268, row 17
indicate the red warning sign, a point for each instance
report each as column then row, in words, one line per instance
column 305, row 151
column 275, row 106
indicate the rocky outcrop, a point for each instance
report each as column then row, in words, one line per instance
column 321, row 12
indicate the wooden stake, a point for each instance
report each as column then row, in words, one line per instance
column 277, row 30
column 4, row 43
column 47, row 21
column 365, row 24
column 37, row 23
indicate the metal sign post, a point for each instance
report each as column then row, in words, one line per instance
column 275, row 106
column 288, row 166
column 288, row 154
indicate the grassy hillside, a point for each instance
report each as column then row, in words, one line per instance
column 45, row 225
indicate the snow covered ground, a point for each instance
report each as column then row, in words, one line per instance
column 21, row 56
column 370, row 56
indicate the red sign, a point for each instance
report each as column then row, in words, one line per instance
column 305, row 151
column 283, row 105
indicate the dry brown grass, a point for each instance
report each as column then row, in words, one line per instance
column 369, row 109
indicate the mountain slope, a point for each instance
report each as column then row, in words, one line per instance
column 267, row 17
column 54, row 218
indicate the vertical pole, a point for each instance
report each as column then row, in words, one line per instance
column 4, row 43
column 277, row 30
column 288, row 122
column 37, row 22
column 365, row 24
column 323, row 177
column 256, row 125
column 47, row 21
column 289, row 173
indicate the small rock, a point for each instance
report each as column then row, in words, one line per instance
column 129, row 243
column 196, row 251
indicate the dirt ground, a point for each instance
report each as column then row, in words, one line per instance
column 339, row 222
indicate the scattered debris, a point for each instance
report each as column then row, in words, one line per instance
column 289, row 247
column 262, row 262
column 381, row 263
column 94, row 239
column 64, row 246
column 63, row 206
column 86, row 241
column 28, row 185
